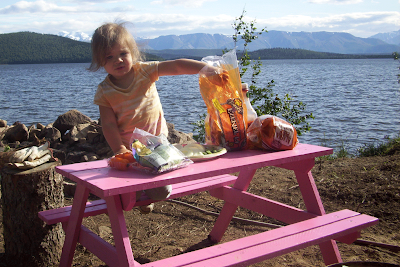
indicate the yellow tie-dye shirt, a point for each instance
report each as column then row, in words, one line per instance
column 138, row 106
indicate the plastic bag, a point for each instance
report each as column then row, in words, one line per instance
column 155, row 154
column 227, row 115
column 271, row 133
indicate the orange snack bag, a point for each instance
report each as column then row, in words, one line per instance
column 118, row 163
column 121, row 161
column 271, row 133
column 222, row 93
column 127, row 155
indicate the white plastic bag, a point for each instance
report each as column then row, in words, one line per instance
column 155, row 154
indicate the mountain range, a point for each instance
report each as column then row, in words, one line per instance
column 332, row 42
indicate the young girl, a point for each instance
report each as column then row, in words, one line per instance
column 128, row 97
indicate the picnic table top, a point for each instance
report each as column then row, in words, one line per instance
column 98, row 177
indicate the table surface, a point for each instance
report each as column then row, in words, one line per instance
column 104, row 181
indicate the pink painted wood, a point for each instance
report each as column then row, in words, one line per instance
column 266, row 245
column 97, row 207
column 105, row 182
column 113, row 185
column 74, row 225
column 92, row 208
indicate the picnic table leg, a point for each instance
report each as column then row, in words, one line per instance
column 229, row 209
column 313, row 203
column 120, row 232
column 74, row 225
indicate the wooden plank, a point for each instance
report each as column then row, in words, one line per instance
column 120, row 233
column 182, row 189
column 265, row 206
column 73, row 227
column 53, row 216
column 106, row 181
column 229, row 209
column 266, row 245
column 104, row 250
column 97, row 207
column 66, row 170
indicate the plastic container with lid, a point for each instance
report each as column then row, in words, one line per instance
column 251, row 113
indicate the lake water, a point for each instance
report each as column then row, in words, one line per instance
column 354, row 101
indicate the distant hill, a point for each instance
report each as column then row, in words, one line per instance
column 35, row 48
column 263, row 54
column 330, row 42
column 294, row 53
column 389, row 37
column 197, row 54
column 29, row 47
column 188, row 41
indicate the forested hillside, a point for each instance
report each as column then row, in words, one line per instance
column 292, row 53
column 35, row 48
column 28, row 47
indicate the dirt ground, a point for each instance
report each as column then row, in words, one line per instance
column 367, row 185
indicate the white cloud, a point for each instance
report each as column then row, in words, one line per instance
column 42, row 6
column 180, row 17
column 148, row 25
column 185, row 3
column 351, row 22
column 34, row 7
column 340, row 2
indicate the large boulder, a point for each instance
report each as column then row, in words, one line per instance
column 70, row 119
column 17, row 132
column 178, row 137
column 51, row 134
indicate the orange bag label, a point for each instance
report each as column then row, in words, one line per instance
column 232, row 123
column 284, row 133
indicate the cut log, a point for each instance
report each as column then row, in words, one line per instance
column 28, row 241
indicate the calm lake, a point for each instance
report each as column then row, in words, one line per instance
column 354, row 101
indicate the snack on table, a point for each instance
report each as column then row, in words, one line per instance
column 121, row 161
column 198, row 152
column 227, row 115
column 155, row 154
column 271, row 133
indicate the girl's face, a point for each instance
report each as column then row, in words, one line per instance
column 118, row 61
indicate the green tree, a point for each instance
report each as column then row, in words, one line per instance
column 264, row 99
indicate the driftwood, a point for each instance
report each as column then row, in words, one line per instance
column 28, row 241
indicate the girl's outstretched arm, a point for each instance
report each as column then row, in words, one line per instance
column 180, row 67
column 216, row 75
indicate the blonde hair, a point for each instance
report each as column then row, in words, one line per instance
column 105, row 37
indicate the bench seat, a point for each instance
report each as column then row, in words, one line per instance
column 97, row 207
column 276, row 242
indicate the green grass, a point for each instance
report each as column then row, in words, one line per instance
column 388, row 146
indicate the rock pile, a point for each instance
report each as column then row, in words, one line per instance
column 74, row 137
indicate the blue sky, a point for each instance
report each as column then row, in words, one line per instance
column 152, row 18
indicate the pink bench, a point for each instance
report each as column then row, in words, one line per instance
column 266, row 245
column 97, row 207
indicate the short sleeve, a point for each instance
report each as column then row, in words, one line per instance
column 99, row 98
column 150, row 70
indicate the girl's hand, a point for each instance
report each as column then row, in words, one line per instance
column 122, row 150
column 217, row 76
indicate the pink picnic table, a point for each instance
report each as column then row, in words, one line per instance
column 117, row 189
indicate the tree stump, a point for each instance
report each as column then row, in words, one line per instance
column 28, row 241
